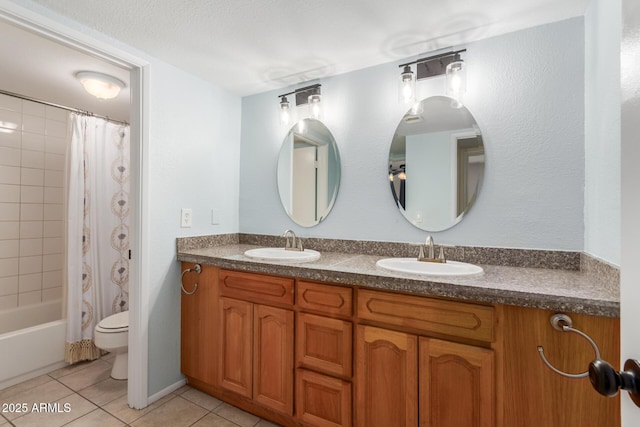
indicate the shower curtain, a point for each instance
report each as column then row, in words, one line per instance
column 97, row 230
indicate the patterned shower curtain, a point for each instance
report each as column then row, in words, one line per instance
column 97, row 230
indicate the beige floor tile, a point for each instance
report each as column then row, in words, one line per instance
column 213, row 420
column 69, row 369
column 182, row 389
column 46, row 393
column 96, row 372
column 96, row 418
column 109, row 357
column 265, row 423
column 201, row 399
column 104, row 391
column 9, row 392
column 120, row 409
column 177, row 412
column 3, row 421
column 236, row 415
column 69, row 408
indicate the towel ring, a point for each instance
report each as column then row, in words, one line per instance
column 196, row 269
column 563, row 323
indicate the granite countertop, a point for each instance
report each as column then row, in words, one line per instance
column 563, row 290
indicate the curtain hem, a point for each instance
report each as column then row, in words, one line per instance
column 78, row 351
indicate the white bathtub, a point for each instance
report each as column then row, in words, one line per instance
column 31, row 341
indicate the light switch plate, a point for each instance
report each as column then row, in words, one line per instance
column 215, row 216
column 186, row 218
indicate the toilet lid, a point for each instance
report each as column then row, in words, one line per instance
column 115, row 321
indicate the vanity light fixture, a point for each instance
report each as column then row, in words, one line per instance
column 448, row 63
column 102, row 86
column 308, row 95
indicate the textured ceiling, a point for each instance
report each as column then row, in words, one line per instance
column 250, row 46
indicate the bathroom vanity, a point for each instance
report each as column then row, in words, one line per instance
column 339, row 342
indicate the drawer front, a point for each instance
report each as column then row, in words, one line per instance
column 335, row 300
column 456, row 319
column 324, row 344
column 256, row 287
column 322, row 401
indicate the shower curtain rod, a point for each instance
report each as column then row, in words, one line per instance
column 64, row 107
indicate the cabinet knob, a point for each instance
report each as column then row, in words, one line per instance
column 606, row 380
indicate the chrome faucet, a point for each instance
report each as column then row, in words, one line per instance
column 292, row 242
column 430, row 257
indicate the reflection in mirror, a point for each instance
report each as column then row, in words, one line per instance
column 308, row 172
column 436, row 163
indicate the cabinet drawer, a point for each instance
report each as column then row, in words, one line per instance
column 324, row 344
column 256, row 287
column 328, row 299
column 456, row 319
column 322, row 401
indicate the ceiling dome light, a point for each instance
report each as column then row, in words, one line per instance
column 102, row 86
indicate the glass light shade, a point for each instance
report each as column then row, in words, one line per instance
column 407, row 86
column 285, row 111
column 456, row 81
column 102, row 86
column 314, row 106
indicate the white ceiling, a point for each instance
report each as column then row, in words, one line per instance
column 251, row 46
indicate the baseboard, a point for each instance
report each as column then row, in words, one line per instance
column 167, row 390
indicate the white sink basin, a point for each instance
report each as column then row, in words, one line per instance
column 280, row 254
column 413, row 266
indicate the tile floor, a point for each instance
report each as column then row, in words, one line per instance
column 86, row 396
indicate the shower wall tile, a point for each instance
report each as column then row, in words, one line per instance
column 30, row 264
column 30, row 247
column 52, row 262
column 9, row 156
column 8, row 301
column 53, row 195
column 9, row 174
column 10, row 103
column 29, row 282
column 53, row 178
column 11, row 119
column 9, row 248
column 28, row 298
column 31, row 229
column 9, row 211
column 31, row 194
column 53, row 212
column 54, row 161
column 31, row 212
column 32, row 177
column 33, row 124
column 8, row 285
column 10, row 139
column 32, row 159
column 9, row 230
column 9, row 267
column 52, row 279
column 32, row 141
column 53, row 228
column 33, row 108
column 53, row 245
column 51, row 293
column 57, row 129
column 9, row 193
column 58, row 114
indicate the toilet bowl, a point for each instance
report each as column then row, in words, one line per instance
column 112, row 335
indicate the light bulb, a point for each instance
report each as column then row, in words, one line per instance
column 314, row 105
column 407, row 86
column 456, row 81
column 285, row 116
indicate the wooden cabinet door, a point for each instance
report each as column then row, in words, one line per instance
column 324, row 344
column 386, row 378
column 198, row 325
column 322, row 401
column 456, row 385
column 234, row 371
column 273, row 358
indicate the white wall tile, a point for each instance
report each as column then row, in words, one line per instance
column 31, row 229
column 53, row 212
column 10, row 120
column 55, row 145
column 32, row 159
column 9, row 156
column 52, row 262
column 53, row 229
column 31, row 212
column 51, row 279
column 10, row 103
column 9, row 248
column 56, row 128
column 58, row 114
column 32, row 176
column 54, row 161
column 31, row 194
column 9, row 267
column 9, row 211
column 33, row 108
column 31, row 247
column 53, row 245
column 9, row 230
column 8, row 285
column 28, row 298
column 53, row 178
column 32, row 141
column 8, row 301
column 53, row 195
column 9, row 175
column 30, row 264
column 33, row 124
column 29, row 282
column 51, row 294
column 9, row 193
column 10, row 138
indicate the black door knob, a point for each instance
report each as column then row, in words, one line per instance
column 606, row 380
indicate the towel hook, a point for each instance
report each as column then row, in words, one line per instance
column 197, row 269
column 563, row 323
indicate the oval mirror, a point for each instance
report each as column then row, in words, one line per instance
column 436, row 163
column 308, row 172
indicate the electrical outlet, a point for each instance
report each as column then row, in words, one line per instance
column 186, row 218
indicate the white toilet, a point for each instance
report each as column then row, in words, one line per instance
column 112, row 335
